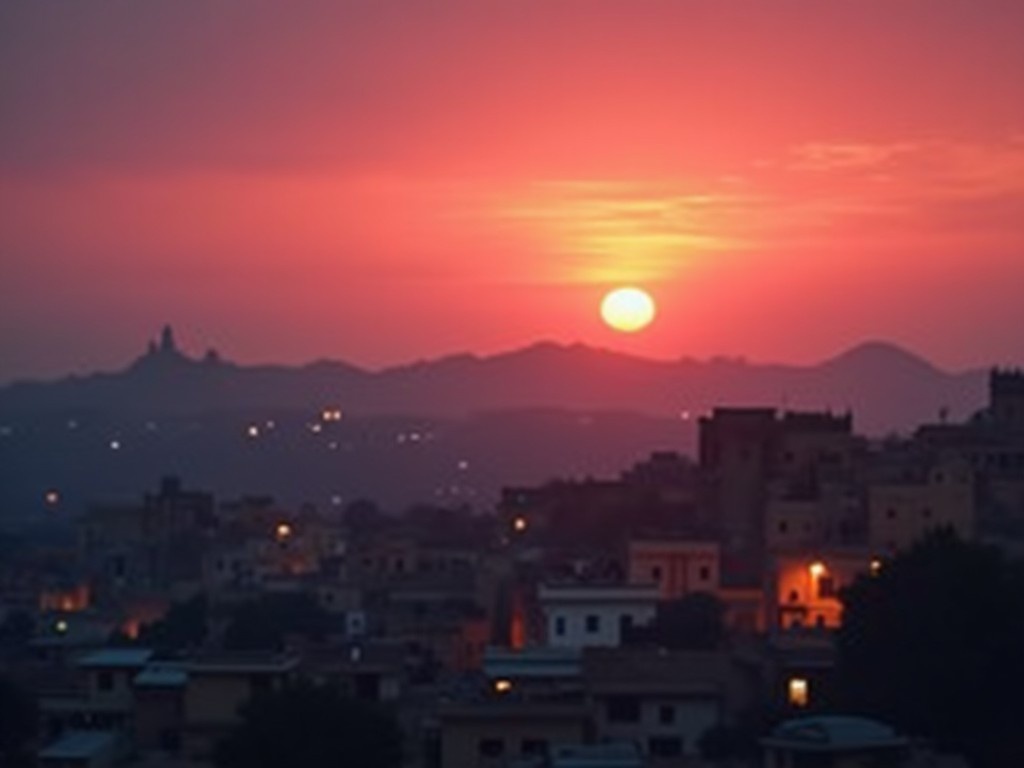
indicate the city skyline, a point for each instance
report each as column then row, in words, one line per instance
column 383, row 184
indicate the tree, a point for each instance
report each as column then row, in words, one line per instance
column 19, row 719
column 263, row 624
column 313, row 727
column 932, row 644
column 184, row 627
column 692, row 623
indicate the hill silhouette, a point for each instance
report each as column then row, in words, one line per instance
column 453, row 430
column 885, row 386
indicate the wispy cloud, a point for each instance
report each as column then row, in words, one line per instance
column 615, row 231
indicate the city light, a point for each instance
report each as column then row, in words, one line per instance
column 253, row 431
column 519, row 524
column 115, row 445
column 61, row 627
column 52, row 498
column 818, row 569
column 502, row 686
column 283, row 531
column 798, row 692
column 331, row 414
column 876, row 566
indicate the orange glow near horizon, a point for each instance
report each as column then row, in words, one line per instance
column 788, row 182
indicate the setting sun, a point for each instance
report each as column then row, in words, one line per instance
column 628, row 309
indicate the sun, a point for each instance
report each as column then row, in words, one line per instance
column 628, row 309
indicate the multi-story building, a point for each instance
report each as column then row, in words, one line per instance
column 677, row 567
column 589, row 615
column 902, row 509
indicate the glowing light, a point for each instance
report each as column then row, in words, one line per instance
column 52, row 498
column 253, row 431
column 876, row 566
column 798, row 693
column 519, row 524
column 283, row 531
column 502, row 686
column 61, row 627
column 331, row 414
column 115, row 445
column 316, row 428
column 818, row 569
column 628, row 309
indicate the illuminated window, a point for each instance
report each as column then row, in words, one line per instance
column 798, row 693
column 502, row 686
column 876, row 567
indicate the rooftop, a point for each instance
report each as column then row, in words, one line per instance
column 833, row 733
column 162, row 676
column 119, row 658
column 79, row 745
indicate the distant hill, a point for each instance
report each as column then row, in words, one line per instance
column 451, row 430
column 886, row 387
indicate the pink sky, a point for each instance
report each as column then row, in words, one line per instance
column 384, row 181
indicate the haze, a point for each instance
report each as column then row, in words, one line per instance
column 383, row 181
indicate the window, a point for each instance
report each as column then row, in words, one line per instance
column 623, row 709
column 890, row 513
column 783, row 527
column 105, row 680
column 491, row 747
column 704, row 574
column 666, row 714
column 560, row 625
column 665, row 746
column 798, row 692
column 593, row 624
column 826, row 587
column 926, row 513
column 656, row 574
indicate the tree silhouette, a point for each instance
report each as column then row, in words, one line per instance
column 933, row 644
column 312, row 727
column 691, row 623
column 19, row 719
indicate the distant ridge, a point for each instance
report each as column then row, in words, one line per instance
column 887, row 387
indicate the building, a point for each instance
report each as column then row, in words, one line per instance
column 662, row 700
column 588, row 615
column 677, row 567
column 218, row 687
column 939, row 495
column 806, row 587
column 493, row 733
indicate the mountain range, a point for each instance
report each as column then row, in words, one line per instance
column 450, row 431
column 886, row 387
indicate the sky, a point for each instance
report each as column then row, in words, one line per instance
column 383, row 181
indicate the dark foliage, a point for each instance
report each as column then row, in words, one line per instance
column 932, row 644
column 19, row 719
column 265, row 623
column 692, row 623
column 184, row 627
column 311, row 727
